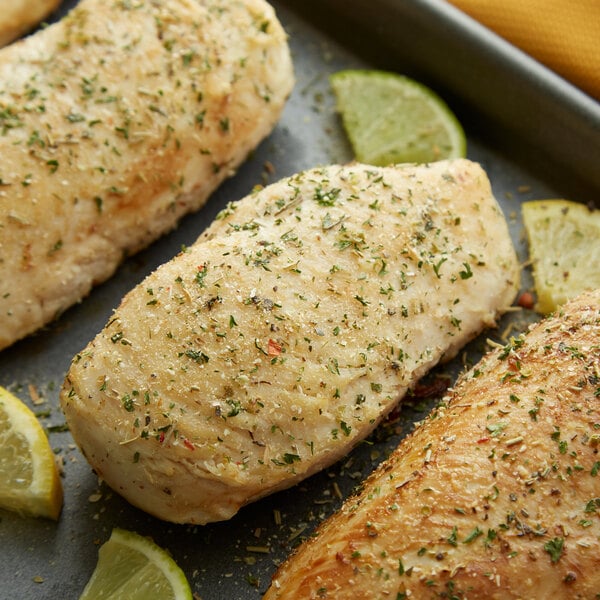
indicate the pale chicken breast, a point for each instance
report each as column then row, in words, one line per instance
column 115, row 122
column 280, row 339
column 494, row 496
column 19, row 16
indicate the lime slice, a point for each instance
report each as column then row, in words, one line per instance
column 29, row 480
column 564, row 247
column 132, row 567
column 391, row 119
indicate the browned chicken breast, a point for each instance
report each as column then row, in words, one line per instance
column 283, row 336
column 19, row 16
column 496, row 495
column 115, row 122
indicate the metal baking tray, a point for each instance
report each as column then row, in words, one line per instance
column 537, row 137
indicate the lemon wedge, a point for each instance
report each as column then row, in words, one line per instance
column 392, row 119
column 564, row 247
column 133, row 567
column 29, row 480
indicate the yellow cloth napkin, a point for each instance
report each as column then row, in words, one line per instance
column 562, row 34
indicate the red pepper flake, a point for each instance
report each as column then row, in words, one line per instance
column 526, row 300
column 274, row 349
column 188, row 444
column 483, row 440
column 161, row 437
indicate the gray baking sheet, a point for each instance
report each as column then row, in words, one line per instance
column 236, row 559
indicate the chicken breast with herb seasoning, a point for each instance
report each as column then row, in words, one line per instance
column 494, row 496
column 284, row 335
column 115, row 122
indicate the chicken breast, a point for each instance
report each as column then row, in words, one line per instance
column 494, row 496
column 19, row 16
column 115, row 122
column 283, row 336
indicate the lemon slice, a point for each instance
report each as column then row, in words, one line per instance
column 391, row 119
column 29, row 480
column 564, row 246
column 132, row 567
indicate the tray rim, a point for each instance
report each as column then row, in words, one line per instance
column 558, row 123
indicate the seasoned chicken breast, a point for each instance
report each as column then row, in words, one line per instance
column 495, row 495
column 19, row 16
column 115, row 122
column 269, row 348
